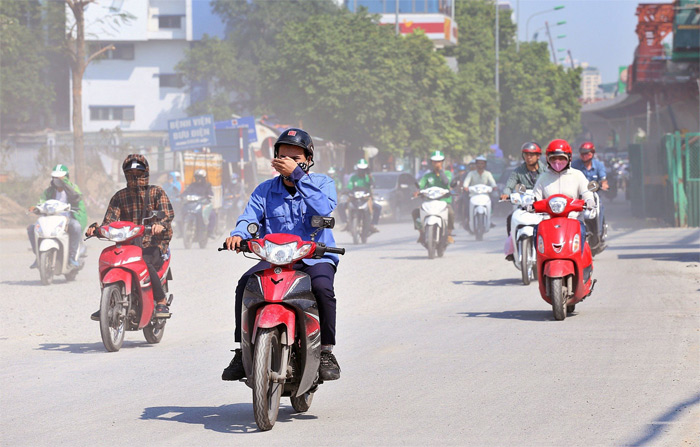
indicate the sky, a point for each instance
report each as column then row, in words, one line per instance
column 599, row 32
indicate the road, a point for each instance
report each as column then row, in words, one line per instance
column 451, row 351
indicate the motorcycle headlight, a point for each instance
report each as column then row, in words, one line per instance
column 280, row 254
column 120, row 234
column 557, row 205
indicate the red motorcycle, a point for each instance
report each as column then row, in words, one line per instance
column 280, row 330
column 564, row 262
column 127, row 302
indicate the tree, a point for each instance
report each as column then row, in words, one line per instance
column 25, row 97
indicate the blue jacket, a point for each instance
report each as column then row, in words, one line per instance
column 597, row 171
column 276, row 211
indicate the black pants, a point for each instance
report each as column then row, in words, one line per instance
column 322, row 276
column 154, row 261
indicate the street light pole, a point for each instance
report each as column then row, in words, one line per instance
column 498, row 101
column 397, row 18
column 551, row 43
column 527, row 23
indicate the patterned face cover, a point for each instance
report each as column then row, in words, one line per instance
column 136, row 179
column 558, row 165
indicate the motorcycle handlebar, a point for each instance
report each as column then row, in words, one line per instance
column 336, row 250
column 243, row 246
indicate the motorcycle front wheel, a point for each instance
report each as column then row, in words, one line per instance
column 189, row 232
column 525, row 269
column 558, row 299
column 430, row 242
column 266, row 393
column 112, row 318
column 47, row 261
column 479, row 227
column 355, row 228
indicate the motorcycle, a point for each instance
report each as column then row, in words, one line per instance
column 52, row 242
column 280, row 334
column 480, row 210
column 434, row 219
column 564, row 261
column 359, row 207
column 197, row 211
column 523, row 224
column 127, row 302
column 596, row 228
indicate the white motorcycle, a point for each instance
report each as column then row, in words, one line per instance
column 52, row 242
column 596, row 228
column 434, row 219
column 522, row 231
column 480, row 210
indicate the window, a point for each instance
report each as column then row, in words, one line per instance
column 121, row 51
column 171, row 80
column 172, row 22
column 111, row 113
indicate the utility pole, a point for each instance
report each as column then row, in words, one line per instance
column 498, row 99
column 517, row 26
column 396, row 22
column 571, row 58
column 551, row 43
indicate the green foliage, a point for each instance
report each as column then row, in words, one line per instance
column 25, row 96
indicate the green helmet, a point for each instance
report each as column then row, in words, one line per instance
column 437, row 156
column 59, row 171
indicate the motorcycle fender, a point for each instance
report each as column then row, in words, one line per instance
column 480, row 209
column 525, row 232
column 432, row 220
column 118, row 275
column 559, row 268
column 273, row 315
column 49, row 244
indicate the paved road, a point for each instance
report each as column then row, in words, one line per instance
column 453, row 351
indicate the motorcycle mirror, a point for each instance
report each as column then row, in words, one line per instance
column 593, row 186
column 520, row 188
column 322, row 222
column 253, row 228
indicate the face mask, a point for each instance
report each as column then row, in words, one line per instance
column 558, row 165
column 135, row 180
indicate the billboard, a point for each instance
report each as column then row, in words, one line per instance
column 191, row 133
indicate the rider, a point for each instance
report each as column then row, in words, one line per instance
column 526, row 174
column 62, row 189
column 441, row 178
column 361, row 179
column 173, row 187
column 201, row 187
column 285, row 204
column 592, row 168
column 128, row 205
column 479, row 176
column 559, row 178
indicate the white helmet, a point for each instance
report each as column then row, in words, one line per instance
column 200, row 173
column 480, row 158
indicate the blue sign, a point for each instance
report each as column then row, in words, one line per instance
column 246, row 121
column 229, row 145
column 191, row 133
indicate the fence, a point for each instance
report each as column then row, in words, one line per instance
column 683, row 182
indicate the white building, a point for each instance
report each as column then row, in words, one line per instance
column 590, row 81
column 134, row 86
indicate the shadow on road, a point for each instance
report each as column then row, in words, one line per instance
column 524, row 315
column 659, row 426
column 25, row 282
column 86, row 348
column 678, row 257
column 234, row 418
column 490, row 282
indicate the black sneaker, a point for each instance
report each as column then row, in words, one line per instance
column 34, row 265
column 162, row 311
column 95, row 316
column 234, row 370
column 510, row 258
column 329, row 369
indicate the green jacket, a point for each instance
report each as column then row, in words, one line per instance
column 359, row 181
column 441, row 179
column 521, row 175
column 75, row 198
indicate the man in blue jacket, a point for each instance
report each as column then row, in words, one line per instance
column 285, row 204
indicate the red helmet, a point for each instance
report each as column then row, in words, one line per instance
column 586, row 147
column 558, row 147
column 531, row 148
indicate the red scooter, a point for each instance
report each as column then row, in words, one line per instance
column 564, row 262
column 280, row 330
column 127, row 302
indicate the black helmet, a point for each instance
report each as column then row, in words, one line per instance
column 296, row 137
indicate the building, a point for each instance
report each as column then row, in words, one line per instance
column 590, row 81
column 435, row 17
column 134, row 86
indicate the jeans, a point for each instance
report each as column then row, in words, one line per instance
column 74, row 234
column 154, row 261
column 322, row 276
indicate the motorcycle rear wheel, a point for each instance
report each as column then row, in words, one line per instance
column 556, row 292
column 112, row 319
column 47, row 262
column 525, row 260
column 302, row 403
column 266, row 393
column 153, row 333
column 430, row 240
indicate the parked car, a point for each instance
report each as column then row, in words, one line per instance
column 393, row 191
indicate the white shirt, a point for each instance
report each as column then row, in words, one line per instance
column 474, row 178
column 570, row 182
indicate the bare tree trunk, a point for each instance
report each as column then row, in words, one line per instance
column 77, row 69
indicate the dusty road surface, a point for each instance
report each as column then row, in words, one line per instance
column 451, row 351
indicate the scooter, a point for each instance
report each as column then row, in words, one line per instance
column 596, row 228
column 197, row 211
column 52, row 242
column 564, row 261
column 434, row 219
column 127, row 302
column 523, row 224
column 281, row 334
column 480, row 210
column 359, row 219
